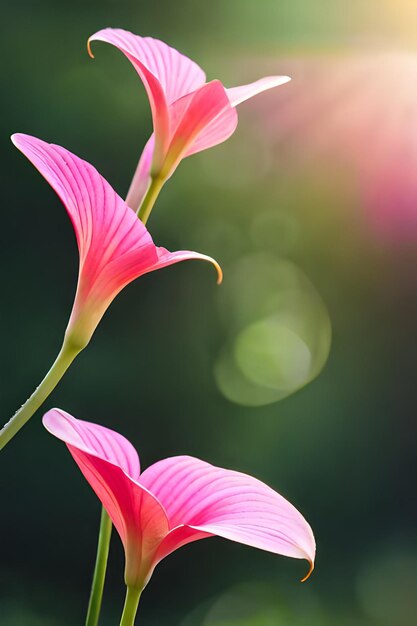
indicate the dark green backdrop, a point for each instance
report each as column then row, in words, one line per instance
column 296, row 182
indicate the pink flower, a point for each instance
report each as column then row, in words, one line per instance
column 177, row 500
column 189, row 115
column 114, row 246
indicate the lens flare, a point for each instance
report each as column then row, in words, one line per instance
column 354, row 116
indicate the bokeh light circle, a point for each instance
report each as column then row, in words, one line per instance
column 278, row 329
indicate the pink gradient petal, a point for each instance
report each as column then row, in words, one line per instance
column 142, row 177
column 218, row 130
column 176, row 73
column 205, row 109
column 91, row 438
column 224, row 125
column 108, row 232
column 188, row 114
column 136, row 514
column 237, row 95
column 115, row 247
column 178, row 500
column 229, row 504
column 177, row 538
column 166, row 74
column 166, row 258
column 196, row 129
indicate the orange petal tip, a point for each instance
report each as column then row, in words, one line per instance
column 219, row 272
column 90, row 53
column 310, row 571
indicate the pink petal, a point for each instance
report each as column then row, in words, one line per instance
column 103, row 456
column 166, row 74
column 224, row 124
column 199, row 137
column 106, row 444
column 178, row 500
column 177, row 74
column 114, row 246
column 142, row 177
column 205, row 116
column 229, row 504
column 237, row 95
column 108, row 232
column 217, row 131
column 166, row 258
column 176, row 538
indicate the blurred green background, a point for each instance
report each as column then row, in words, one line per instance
column 311, row 208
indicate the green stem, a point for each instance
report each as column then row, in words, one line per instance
column 131, row 606
column 64, row 359
column 149, row 200
column 99, row 575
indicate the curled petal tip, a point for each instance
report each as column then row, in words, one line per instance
column 90, row 52
column 219, row 272
column 216, row 266
column 205, row 257
column 310, row 571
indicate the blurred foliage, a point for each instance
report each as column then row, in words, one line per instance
column 291, row 208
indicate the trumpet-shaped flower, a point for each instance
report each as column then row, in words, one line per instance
column 114, row 245
column 177, row 500
column 189, row 115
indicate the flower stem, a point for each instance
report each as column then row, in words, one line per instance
column 149, row 200
column 64, row 359
column 99, row 575
column 131, row 606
